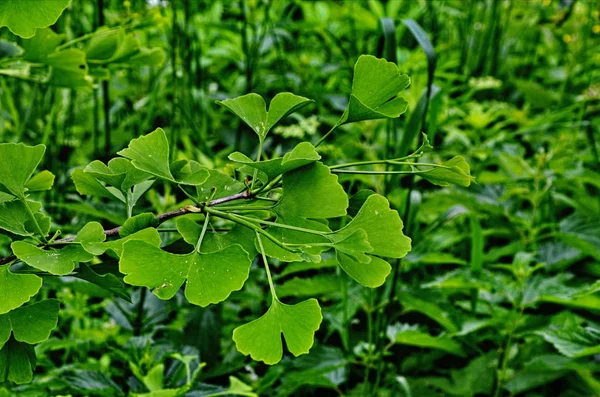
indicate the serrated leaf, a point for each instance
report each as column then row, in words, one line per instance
column 383, row 228
column 210, row 277
column 457, row 173
column 303, row 154
column 252, row 109
column 574, row 341
column 16, row 289
column 30, row 324
column 261, row 338
column 375, row 87
column 18, row 162
column 17, row 362
column 23, row 17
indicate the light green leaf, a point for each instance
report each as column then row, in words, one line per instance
column 14, row 216
column 119, row 173
column 150, row 236
column 313, row 244
column 223, row 183
column 40, row 181
column 150, row 153
column 87, row 185
column 312, row 192
column 457, row 173
column 23, row 17
column 383, row 228
column 60, row 261
column 16, row 289
column 210, row 277
column 375, row 85
column 41, row 45
column 574, row 341
column 303, row 154
column 119, row 47
column 261, row 338
column 69, row 69
column 17, row 163
column 30, row 324
column 252, row 109
column 17, row 362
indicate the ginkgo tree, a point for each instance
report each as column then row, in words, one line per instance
column 287, row 210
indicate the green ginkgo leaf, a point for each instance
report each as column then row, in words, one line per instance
column 149, row 235
column 107, row 281
column 16, row 289
column 87, row 185
column 18, row 162
column 69, row 69
column 60, row 261
column 41, row 45
column 40, row 181
column 310, row 193
column 15, row 218
column 23, row 17
column 383, row 228
column 119, row 172
column 261, row 338
column 375, row 87
column 456, row 171
column 252, row 109
column 150, row 153
column 30, row 324
column 211, row 277
column 17, row 362
column 303, row 154
column 190, row 231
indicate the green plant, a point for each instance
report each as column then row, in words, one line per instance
column 284, row 212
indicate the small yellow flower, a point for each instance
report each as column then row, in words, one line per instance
column 546, row 3
column 127, row 4
column 596, row 29
column 567, row 38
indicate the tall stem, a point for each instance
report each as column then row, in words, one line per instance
column 264, row 257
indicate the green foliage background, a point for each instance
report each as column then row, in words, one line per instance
column 499, row 295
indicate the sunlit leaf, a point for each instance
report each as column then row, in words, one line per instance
column 18, row 162
column 23, row 17
column 456, row 171
column 16, row 289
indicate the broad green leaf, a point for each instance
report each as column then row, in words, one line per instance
column 14, row 216
column 150, row 236
column 17, row 362
column 303, row 154
column 41, row 45
column 69, row 69
column 252, row 109
column 150, row 153
column 87, row 185
column 375, row 87
column 312, row 192
column 119, row 172
column 107, row 281
column 137, row 223
column 211, row 277
column 16, row 289
column 190, row 231
column 282, row 105
column 261, row 338
column 574, row 341
column 30, row 324
column 456, row 173
column 309, row 192
column 223, row 184
column 383, row 228
column 18, row 162
column 23, row 17
column 119, row 47
column 40, row 181
column 413, row 337
column 60, row 261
